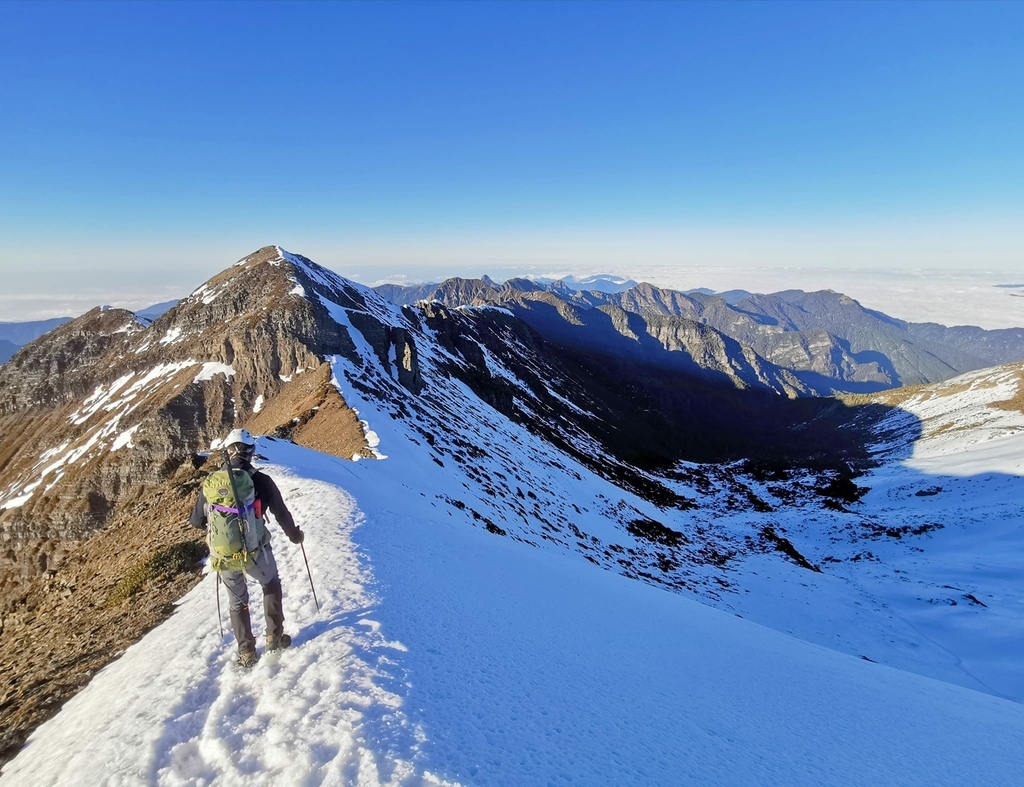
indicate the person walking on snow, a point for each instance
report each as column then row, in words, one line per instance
column 258, row 562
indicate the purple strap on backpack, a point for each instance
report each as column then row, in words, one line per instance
column 229, row 510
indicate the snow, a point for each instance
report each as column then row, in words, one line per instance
column 172, row 336
column 100, row 397
column 257, row 406
column 101, row 413
column 124, row 439
column 1000, row 455
column 995, row 443
column 445, row 654
column 133, row 326
column 17, row 502
column 212, row 368
column 207, row 294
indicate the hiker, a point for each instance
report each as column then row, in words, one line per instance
column 254, row 558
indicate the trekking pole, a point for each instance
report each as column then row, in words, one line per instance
column 220, row 620
column 310, row 575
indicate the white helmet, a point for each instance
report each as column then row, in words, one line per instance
column 239, row 436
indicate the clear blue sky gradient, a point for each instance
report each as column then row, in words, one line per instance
column 129, row 127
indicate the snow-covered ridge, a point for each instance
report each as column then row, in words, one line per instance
column 328, row 285
column 445, row 655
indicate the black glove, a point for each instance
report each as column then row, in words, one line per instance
column 296, row 536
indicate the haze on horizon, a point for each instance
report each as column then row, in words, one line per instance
column 147, row 145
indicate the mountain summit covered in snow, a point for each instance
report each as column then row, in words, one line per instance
column 563, row 554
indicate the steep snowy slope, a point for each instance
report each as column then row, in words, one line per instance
column 925, row 571
column 444, row 654
column 872, row 577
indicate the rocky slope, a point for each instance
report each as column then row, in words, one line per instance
column 596, row 323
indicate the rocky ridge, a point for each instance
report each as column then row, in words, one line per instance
column 819, row 343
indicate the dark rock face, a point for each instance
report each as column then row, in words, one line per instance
column 642, row 408
column 407, row 362
column 604, row 322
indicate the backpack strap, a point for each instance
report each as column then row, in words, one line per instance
column 244, row 554
column 229, row 509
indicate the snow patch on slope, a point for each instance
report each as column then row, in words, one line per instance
column 103, row 410
column 212, row 368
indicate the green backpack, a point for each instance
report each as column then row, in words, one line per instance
column 234, row 530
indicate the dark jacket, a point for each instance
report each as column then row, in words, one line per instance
column 266, row 492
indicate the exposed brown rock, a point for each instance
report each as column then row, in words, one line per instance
column 310, row 411
column 63, row 626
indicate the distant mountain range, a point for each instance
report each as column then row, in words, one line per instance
column 7, row 349
column 793, row 342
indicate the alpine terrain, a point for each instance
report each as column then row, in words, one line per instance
column 556, row 536
column 14, row 335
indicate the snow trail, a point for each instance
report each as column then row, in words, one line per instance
column 445, row 654
column 176, row 710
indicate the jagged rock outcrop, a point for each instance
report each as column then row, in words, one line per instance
column 595, row 322
column 60, row 367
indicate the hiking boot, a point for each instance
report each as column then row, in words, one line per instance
column 279, row 643
column 247, row 659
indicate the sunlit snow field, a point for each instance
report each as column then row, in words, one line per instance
column 443, row 653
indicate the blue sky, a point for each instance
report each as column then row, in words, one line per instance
column 144, row 146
